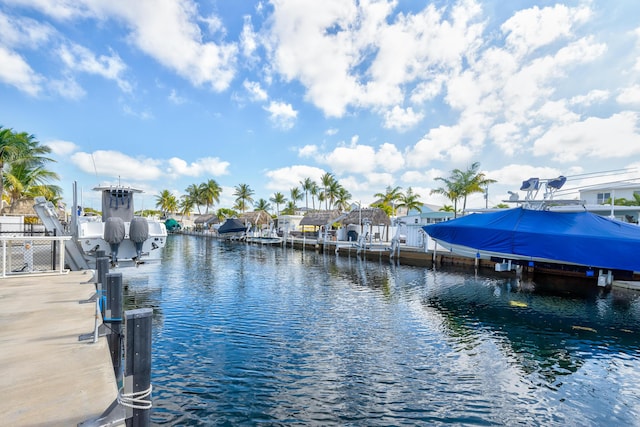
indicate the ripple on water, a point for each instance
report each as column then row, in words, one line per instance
column 247, row 335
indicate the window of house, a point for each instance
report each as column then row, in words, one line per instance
column 603, row 197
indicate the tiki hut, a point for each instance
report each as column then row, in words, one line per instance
column 318, row 219
column 374, row 216
column 203, row 222
column 257, row 219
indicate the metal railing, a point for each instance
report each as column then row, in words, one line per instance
column 31, row 255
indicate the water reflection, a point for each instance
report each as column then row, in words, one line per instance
column 251, row 334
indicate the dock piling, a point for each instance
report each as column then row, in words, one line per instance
column 137, row 380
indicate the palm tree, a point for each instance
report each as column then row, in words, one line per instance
column 166, row 202
column 278, row 198
column 262, row 205
column 224, row 213
column 26, row 173
column 186, row 205
column 290, row 208
column 314, row 193
column 410, row 201
column 390, row 197
column 342, row 199
column 307, row 184
column 327, row 179
column 295, row 195
column 332, row 192
column 194, row 195
column 210, row 192
column 10, row 146
column 243, row 195
column 451, row 190
column 471, row 181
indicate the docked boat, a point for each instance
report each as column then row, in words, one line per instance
column 233, row 229
column 124, row 237
column 535, row 236
column 127, row 239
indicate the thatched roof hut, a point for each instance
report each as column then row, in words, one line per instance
column 375, row 216
column 319, row 218
column 258, row 218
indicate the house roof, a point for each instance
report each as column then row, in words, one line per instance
column 319, row 218
column 206, row 219
column 256, row 218
column 375, row 215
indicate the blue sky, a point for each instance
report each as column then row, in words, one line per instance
column 161, row 95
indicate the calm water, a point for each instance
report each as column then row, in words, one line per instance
column 250, row 335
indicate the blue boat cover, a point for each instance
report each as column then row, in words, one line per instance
column 232, row 225
column 566, row 237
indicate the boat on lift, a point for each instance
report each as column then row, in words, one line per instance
column 536, row 234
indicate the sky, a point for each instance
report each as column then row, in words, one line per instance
column 160, row 95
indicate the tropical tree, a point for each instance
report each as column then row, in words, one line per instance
column 295, row 195
column 186, row 205
column 194, row 195
column 471, row 181
column 278, row 198
column 306, row 185
column 224, row 213
column 447, row 208
column 410, row 200
column 243, row 195
column 210, row 192
column 314, row 193
column 451, row 189
column 290, row 208
column 327, row 179
column 262, row 205
column 22, row 166
column 166, row 202
column 342, row 199
column 390, row 197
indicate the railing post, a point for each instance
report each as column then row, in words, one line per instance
column 113, row 317
column 137, row 381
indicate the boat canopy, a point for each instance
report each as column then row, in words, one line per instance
column 566, row 237
column 232, row 225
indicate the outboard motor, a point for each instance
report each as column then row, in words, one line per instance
column 114, row 235
column 138, row 234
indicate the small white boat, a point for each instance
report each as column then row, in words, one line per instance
column 124, row 237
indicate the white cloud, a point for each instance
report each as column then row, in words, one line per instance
column 61, row 148
column 79, row 58
column 284, row 179
column 592, row 97
column 389, row 158
column 175, row 98
column 282, row 114
column 355, row 158
column 308, row 151
column 204, row 166
column 116, row 165
column 530, row 29
column 256, row 93
column 401, row 119
column 15, row 71
column 354, row 54
column 630, row 96
column 613, row 137
column 248, row 38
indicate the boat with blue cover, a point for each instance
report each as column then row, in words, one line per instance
column 535, row 235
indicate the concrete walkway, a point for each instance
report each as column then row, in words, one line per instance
column 47, row 376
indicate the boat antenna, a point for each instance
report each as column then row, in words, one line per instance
column 95, row 169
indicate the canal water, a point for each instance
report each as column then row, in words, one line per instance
column 248, row 335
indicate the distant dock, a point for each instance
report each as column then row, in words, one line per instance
column 48, row 376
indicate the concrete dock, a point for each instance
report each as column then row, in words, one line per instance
column 47, row 376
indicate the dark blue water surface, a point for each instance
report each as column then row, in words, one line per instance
column 253, row 335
